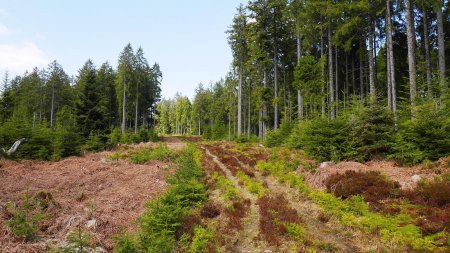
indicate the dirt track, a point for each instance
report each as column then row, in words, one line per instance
column 89, row 189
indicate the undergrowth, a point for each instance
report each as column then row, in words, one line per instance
column 396, row 231
column 162, row 219
column 160, row 153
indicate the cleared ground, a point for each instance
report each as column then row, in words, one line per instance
column 106, row 197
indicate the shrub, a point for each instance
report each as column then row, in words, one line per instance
column 278, row 219
column 95, row 142
column 278, row 137
column 202, row 237
column 327, row 140
column 432, row 193
column 160, row 153
column 372, row 185
column 424, row 137
column 24, row 223
column 210, row 210
column 163, row 217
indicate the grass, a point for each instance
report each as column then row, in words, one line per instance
column 253, row 185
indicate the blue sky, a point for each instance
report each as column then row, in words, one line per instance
column 187, row 38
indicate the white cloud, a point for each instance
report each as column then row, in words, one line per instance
column 19, row 58
column 4, row 31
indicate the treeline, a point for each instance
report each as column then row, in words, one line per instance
column 353, row 80
column 61, row 115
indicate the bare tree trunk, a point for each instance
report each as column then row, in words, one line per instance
column 249, row 112
column 136, row 110
column 299, row 93
column 427, row 52
column 52, row 106
column 239, row 127
column 336, row 81
column 124, row 101
column 411, row 54
column 353, row 77
column 441, row 51
column 264, row 107
column 371, row 66
column 323, row 72
column 361, row 69
column 346, row 80
column 275, row 76
column 330, row 75
column 390, row 49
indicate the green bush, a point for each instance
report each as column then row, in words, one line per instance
column 24, row 223
column 424, row 137
column 162, row 219
column 278, row 137
column 202, row 236
column 326, row 139
column 160, row 153
column 95, row 142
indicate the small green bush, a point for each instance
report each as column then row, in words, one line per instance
column 160, row 153
column 24, row 223
column 202, row 236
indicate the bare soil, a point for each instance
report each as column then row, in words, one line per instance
column 107, row 195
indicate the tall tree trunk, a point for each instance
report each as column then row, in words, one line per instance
column 239, row 126
column 346, row 80
column 336, row 81
column 371, row 66
column 264, row 107
column 330, row 75
column 52, row 106
column 136, row 110
column 323, row 72
column 275, row 76
column 353, row 77
column 411, row 54
column 427, row 52
column 249, row 112
column 390, row 49
column 441, row 51
column 124, row 101
column 299, row 93
column 388, row 55
column 361, row 68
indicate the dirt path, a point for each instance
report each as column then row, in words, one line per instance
column 246, row 240
column 309, row 212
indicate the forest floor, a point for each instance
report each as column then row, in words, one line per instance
column 250, row 209
column 95, row 193
column 274, row 205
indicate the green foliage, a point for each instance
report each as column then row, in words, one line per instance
column 278, row 137
column 160, row 152
column 24, row 223
column 202, row 236
column 253, row 186
column 424, row 137
column 163, row 216
column 226, row 186
column 95, row 142
column 79, row 241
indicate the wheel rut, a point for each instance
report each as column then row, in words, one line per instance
column 247, row 238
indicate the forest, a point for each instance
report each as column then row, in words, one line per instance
column 61, row 115
column 329, row 132
column 342, row 80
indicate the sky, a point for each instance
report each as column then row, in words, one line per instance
column 186, row 38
